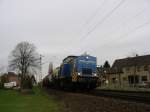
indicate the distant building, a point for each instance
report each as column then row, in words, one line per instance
column 12, row 77
column 50, row 70
column 130, row 71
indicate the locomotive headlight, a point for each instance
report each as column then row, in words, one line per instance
column 79, row 73
column 95, row 74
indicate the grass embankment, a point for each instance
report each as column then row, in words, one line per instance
column 14, row 101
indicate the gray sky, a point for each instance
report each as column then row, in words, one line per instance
column 107, row 29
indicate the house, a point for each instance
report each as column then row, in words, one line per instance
column 130, row 71
column 12, row 77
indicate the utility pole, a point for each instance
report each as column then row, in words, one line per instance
column 40, row 78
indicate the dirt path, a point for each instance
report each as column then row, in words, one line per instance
column 75, row 102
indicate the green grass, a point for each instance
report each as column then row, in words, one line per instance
column 14, row 101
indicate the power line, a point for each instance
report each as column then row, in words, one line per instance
column 127, row 21
column 138, row 27
column 103, row 19
column 92, row 16
column 94, row 13
column 130, row 32
column 133, row 30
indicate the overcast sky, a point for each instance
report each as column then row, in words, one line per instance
column 107, row 29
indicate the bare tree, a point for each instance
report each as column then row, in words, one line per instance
column 24, row 59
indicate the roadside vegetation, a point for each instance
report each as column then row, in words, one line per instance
column 39, row 101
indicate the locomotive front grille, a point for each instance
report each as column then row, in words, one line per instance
column 87, row 78
column 86, row 72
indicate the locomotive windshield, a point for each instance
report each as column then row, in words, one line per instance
column 86, row 65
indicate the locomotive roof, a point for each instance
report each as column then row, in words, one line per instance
column 71, row 56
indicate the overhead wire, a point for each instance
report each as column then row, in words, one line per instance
column 103, row 19
column 127, row 21
column 126, row 34
column 93, row 15
column 133, row 30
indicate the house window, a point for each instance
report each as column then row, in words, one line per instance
column 144, row 78
column 127, row 69
column 133, row 79
column 113, row 80
column 138, row 68
column 145, row 68
column 124, row 78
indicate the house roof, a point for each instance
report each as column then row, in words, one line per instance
column 10, row 74
column 131, row 61
column 119, row 64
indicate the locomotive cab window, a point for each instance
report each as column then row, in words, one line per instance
column 144, row 78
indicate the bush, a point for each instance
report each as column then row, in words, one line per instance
column 1, row 85
column 26, row 82
column 3, row 80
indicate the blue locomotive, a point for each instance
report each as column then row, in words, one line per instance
column 76, row 72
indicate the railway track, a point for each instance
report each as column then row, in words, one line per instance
column 83, row 101
column 142, row 97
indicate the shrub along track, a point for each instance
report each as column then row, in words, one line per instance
column 92, row 102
